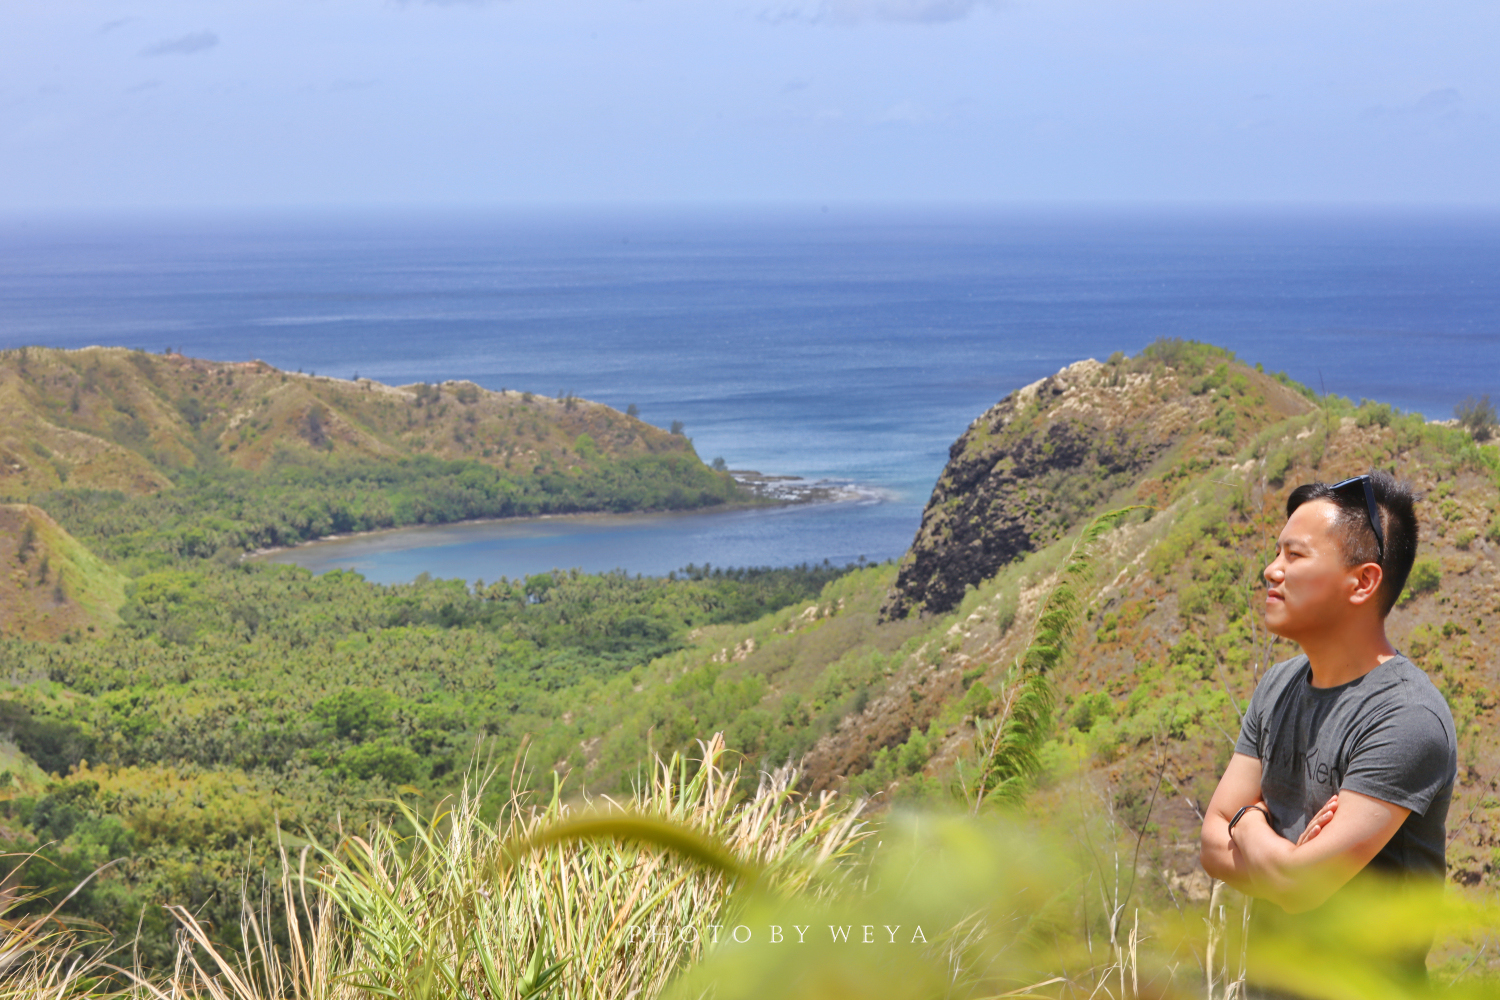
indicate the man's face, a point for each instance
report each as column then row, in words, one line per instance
column 1308, row 583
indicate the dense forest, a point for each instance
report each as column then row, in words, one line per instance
column 235, row 698
column 228, row 511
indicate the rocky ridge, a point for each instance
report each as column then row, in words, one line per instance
column 1030, row 467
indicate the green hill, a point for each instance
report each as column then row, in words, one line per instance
column 163, row 456
column 110, row 418
column 874, row 701
column 52, row 585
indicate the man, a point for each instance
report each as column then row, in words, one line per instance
column 1346, row 760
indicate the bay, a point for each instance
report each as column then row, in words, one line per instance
column 849, row 344
column 647, row 544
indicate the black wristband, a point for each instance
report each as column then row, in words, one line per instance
column 1244, row 809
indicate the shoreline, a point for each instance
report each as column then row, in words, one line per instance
column 779, row 491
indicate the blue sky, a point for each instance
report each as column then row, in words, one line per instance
column 235, row 104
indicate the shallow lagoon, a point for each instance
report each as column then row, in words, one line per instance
column 648, row 544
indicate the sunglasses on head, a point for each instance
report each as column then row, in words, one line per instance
column 1370, row 507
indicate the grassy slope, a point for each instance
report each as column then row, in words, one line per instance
column 52, row 584
column 152, row 458
column 110, row 418
column 1174, row 632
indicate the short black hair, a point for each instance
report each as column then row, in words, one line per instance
column 1396, row 500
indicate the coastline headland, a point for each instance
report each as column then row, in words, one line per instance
column 797, row 490
column 200, row 457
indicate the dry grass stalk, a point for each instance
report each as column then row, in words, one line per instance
column 464, row 909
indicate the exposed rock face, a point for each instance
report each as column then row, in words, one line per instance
column 1048, row 455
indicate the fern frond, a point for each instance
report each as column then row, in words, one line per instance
column 1010, row 750
column 1016, row 743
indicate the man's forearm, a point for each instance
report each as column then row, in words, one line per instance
column 1256, row 859
column 1337, row 841
column 1279, row 871
column 1264, row 856
column 1220, row 857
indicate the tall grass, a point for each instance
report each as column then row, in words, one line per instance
column 550, row 900
column 683, row 892
column 47, row 955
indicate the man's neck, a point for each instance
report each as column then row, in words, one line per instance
column 1346, row 654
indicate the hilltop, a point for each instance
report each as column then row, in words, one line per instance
column 149, row 458
column 115, row 419
column 1052, row 453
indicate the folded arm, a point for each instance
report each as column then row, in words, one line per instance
column 1257, row 860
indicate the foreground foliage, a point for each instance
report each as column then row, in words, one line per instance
column 680, row 891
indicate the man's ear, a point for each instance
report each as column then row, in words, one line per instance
column 1366, row 578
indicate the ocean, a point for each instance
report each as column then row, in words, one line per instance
column 843, row 344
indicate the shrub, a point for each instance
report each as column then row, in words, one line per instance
column 397, row 764
column 1277, row 466
column 1477, row 416
column 1374, row 413
column 1426, row 576
column 914, row 752
column 1194, row 600
column 1090, row 708
column 27, row 542
column 976, row 699
column 1186, row 357
column 1005, row 610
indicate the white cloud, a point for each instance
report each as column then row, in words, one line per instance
column 856, row 11
column 906, row 113
column 1443, row 105
column 187, row 45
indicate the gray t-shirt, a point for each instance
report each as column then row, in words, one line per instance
column 1388, row 735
